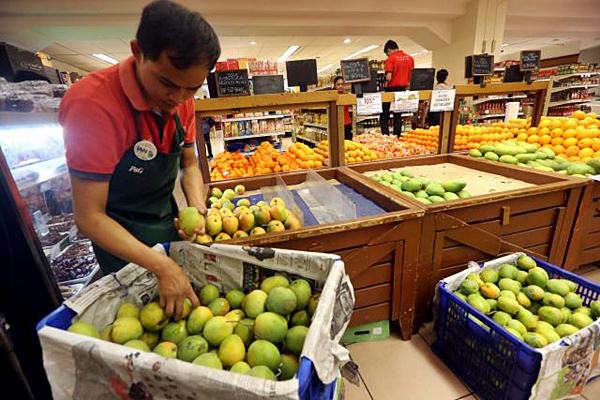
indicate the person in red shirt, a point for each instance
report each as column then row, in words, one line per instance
column 398, row 68
column 129, row 130
column 338, row 84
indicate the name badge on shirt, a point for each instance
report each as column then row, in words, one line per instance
column 145, row 150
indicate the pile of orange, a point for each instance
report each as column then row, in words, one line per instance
column 427, row 138
column 353, row 152
column 471, row 137
column 266, row 160
column 576, row 138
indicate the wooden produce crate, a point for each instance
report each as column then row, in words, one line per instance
column 379, row 249
column 584, row 246
column 511, row 209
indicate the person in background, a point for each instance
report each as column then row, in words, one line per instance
column 338, row 84
column 441, row 77
column 433, row 118
column 398, row 68
column 207, row 125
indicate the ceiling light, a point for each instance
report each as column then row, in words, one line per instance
column 288, row 53
column 324, row 68
column 105, row 58
column 365, row 50
column 252, row 42
column 347, row 40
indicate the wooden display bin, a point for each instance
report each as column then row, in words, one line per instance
column 380, row 251
column 584, row 246
column 525, row 210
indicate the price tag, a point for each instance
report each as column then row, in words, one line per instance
column 406, row 102
column 369, row 104
column 442, row 100
column 595, row 177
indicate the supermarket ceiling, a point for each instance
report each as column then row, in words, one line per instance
column 72, row 30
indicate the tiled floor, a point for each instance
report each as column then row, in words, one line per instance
column 396, row 369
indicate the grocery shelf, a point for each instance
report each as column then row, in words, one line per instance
column 565, row 76
column 563, row 88
column 274, row 116
column 494, row 98
column 488, row 116
column 315, row 125
column 367, row 117
column 226, row 139
column 307, row 139
column 30, row 175
column 565, row 102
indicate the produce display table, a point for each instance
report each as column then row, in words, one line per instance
column 584, row 245
column 379, row 247
column 514, row 209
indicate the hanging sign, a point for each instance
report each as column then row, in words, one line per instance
column 530, row 60
column 442, row 100
column 406, row 101
column 369, row 104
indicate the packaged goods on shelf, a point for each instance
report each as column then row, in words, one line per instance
column 28, row 96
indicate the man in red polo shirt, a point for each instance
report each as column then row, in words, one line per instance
column 129, row 129
column 398, row 68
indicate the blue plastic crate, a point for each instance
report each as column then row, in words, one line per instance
column 491, row 361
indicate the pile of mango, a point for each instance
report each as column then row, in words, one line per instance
column 421, row 188
column 522, row 299
column 260, row 333
column 530, row 155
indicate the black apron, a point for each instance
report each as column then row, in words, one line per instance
column 140, row 197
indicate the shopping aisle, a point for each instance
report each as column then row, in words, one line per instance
column 394, row 369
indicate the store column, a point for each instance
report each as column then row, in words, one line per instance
column 479, row 30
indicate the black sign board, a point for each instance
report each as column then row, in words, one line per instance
column 301, row 73
column 530, row 60
column 20, row 65
column 267, row 84
column 422, row 78
column 232, row 83
column 367, row 87
column 356, row 70
column 513, row 74
column 482, row 65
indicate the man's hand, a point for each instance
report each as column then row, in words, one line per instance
column 174, row 287
column 198, row 231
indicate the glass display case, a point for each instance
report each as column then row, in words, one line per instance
column 32, row 145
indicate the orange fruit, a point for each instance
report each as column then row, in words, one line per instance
column 579, row 115
column 572, row 151
column 545, row 139
column 570, row 123
column 596, row 144
column 573, row 158
column 522, row 137
column 557, row 140
column 587, row 152
column 570, row 142
column 556, row 132
column 592, row 115
column 547, row 146
column 597, row 154
column 585, row 143
column 533, row 139
column 556, row 123
column 582, row 134
column 587, row 121
column 544, row 123
column 544, row 131
column 569, row 133
column 532, row 131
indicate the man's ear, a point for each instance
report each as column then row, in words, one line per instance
column 135, row 50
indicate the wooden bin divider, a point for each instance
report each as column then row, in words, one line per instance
column 381, row 253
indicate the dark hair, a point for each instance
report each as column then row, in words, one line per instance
column 441, row 76
column 390, row 45
column 185, row 35
column 337, row 78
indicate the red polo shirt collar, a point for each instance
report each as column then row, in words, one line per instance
column 131, row 86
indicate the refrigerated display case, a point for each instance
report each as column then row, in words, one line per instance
column 32, row 144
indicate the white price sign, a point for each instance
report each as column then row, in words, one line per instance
column 407, row 101
column 595, row 177
column 369, row 104
column 442, row 100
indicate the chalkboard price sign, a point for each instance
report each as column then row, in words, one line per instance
column 530, row 60
column 482, row 65
column 356, row 70
column 233, row 83
column 267, row 84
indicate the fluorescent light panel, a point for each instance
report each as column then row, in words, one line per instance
column 105, row 58
column 288, row 53
column 361, row 51
column 325, row 68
